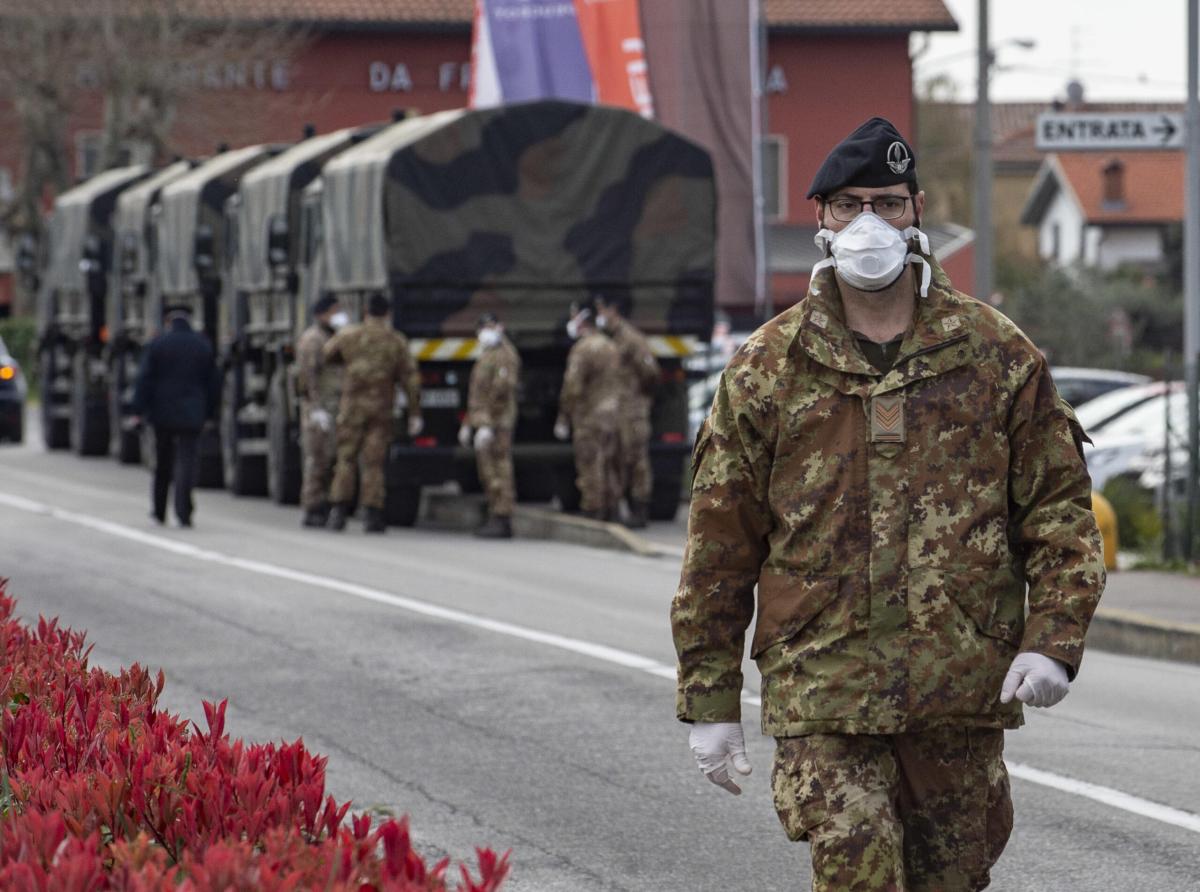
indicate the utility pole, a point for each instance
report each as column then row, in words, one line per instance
column 1191, row 279
column 983, row 163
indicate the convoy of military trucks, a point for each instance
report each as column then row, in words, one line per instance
column 517, row 210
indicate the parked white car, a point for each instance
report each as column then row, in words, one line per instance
column 1136, row 443
column 1079, row 386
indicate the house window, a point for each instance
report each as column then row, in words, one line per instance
column 774, row 178
column 87, row 153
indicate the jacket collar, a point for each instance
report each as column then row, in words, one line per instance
column 939, row 322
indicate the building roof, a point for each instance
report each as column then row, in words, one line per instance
column 800, row 15
column 1153, row 187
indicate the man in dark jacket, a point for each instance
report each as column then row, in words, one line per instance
column 178, row 388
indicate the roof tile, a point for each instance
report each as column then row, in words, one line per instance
column 1153, row 186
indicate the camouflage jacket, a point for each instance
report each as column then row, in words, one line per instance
column 318, row 382
column 377, row 358
column 591, row 387
column 639, row 369
column 492, row 395
column 890, row 522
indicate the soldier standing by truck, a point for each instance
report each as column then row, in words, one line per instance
column 377, row 358
column 639, row 377
column 587, row 413
column 320, row 386
column 491, row 418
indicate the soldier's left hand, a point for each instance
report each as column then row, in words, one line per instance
column 464, row 436
column 1035, row 679
column 416, row 424
column 716, row 746
column 484, row 437
column 562, row 430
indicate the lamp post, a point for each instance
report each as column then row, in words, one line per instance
column 983, row 162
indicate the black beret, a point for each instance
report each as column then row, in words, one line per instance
column 323, row 304
column 486, row 318
column 873, row 155
column 378, row 305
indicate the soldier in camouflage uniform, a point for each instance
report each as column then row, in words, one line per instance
column 639, row 377
column 320, row 387
column 491, row 418
column 889, row 463
column 377, row 358
column 587, row 413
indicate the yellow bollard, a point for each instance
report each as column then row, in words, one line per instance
column 1106, row 519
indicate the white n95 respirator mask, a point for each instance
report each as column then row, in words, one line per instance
column 489, row 337
column 870, row 254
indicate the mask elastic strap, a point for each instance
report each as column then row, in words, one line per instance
column 823, row 239
column 827, row 263
column 922, row 238
column 926, row 272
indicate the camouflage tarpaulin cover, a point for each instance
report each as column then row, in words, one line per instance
column 519, row 210
column 77, row 212
column 197, row 197
column 267, row 191
column 133, row 208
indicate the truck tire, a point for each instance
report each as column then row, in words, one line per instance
column 125, row 445
column 210, row 473
column 402, row 505
column 283, row 447
column 666, row 496
column 56, row 431
column 534, row 484
column 89, row 416
column 245, row 475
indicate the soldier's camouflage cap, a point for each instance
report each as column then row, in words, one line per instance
column 874, row 155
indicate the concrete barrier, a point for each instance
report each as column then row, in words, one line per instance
column 1136, row 634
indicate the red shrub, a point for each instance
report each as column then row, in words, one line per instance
column 101, row 790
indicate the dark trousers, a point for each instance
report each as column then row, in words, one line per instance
column 175, row 463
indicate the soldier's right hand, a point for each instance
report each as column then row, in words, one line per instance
column 464, row 436
column 562, row 430
column 716, row 746
column 322, row 419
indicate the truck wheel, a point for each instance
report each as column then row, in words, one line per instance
column 89, row 416
column 565, row 488
column 402, row 505
column 283, row 447
column 56, row 430
column 534, row 484
column 210, row 474
column 125, row 445
column 245, row 475
column 665, row 497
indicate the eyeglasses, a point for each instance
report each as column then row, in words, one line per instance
column 845, row 208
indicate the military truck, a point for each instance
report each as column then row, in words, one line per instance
column 520, row 210
column 131, row 289
column 191, row 242
column 72, row 312
column 267, row 312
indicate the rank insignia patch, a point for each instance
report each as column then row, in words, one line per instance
column 887, row 419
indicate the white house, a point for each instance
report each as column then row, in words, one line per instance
column 1104, row 209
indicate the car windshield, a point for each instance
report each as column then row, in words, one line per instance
column 1148, row 419
column 1097, row 414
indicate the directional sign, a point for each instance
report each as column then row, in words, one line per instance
column 1067, row 132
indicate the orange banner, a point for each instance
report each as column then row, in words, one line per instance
column 612, row 38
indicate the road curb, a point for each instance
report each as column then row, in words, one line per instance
column 1136, row 634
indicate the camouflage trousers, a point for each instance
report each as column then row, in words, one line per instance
column 636, row 477
column 495, row 466
column 319, row 448
column 597, row 465
column 923, row 811
column 363, row 437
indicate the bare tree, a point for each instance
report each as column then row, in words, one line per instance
column 141, row 62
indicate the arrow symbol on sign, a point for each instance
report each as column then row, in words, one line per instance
column 1168, row 129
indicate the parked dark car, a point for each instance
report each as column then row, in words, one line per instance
column 12, row 397
column 1077, row 386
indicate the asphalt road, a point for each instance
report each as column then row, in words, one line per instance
column 497, row 721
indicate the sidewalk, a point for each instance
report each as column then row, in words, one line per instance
column 1149, row 614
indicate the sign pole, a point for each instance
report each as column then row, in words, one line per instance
column 983, row 164
column 1191, row 278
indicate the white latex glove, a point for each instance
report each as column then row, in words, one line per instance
column 484, row 437
column 416, row 424
column 1035, row 679
column 464, row 436
column 562, row 430
column 321, row 419
column 716, row 746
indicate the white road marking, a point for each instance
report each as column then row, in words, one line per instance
column 627, row 659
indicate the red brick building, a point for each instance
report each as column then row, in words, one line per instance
column 830, row 65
